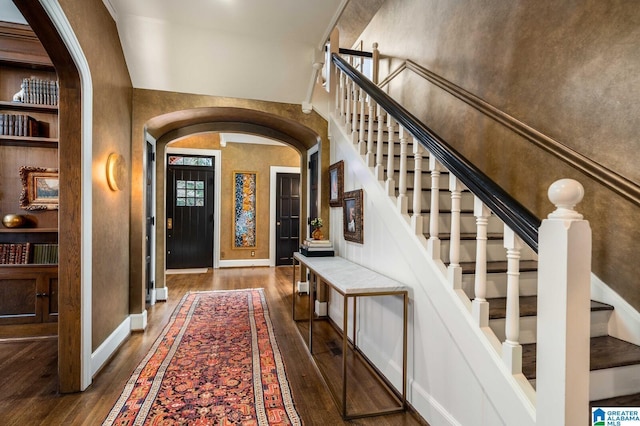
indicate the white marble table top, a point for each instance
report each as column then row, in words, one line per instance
column 348, row 277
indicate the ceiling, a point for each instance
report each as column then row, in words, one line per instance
column 252, row 49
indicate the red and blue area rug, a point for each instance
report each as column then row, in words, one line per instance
column 215, row 363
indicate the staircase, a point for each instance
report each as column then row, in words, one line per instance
column 411, row 176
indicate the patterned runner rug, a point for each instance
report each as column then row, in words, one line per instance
column 215, row 363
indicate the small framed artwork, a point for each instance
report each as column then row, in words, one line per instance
column 244, row 209
column 353, row 216
column 336, row 183
column 40, row 188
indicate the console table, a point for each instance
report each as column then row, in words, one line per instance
column 352, row 281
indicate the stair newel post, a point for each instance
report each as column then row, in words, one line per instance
column 391, row 183
column 563, row 334
column 480, row 306
column 375, row 59
column 454, row 268
column 379, row 170
column 370, row 158
column 362, row 144
column 416, row 218
column 511, row 348
column 402, row 178
column 433, row 243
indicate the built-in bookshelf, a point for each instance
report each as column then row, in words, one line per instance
column 28, row 137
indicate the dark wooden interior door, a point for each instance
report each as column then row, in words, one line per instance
column 189, row 226
column 287, row 217
column 149, row 206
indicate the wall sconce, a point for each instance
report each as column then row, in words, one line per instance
column 116, row 172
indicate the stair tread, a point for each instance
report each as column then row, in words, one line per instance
column 529, row 306
column 606, row 352
column 499, row 266
column 632, row 400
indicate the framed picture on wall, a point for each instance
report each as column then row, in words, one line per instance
column 353, row 216
column 40, row 188
column 244, row 209
column 336, row 183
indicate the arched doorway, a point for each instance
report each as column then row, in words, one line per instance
column 172, row 126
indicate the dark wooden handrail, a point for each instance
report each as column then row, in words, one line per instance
column 352, row 52
column 517, row 217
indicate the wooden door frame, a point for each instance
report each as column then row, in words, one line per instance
column 274, row 170
column 48, row 21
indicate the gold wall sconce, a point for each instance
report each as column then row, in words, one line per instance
column 116, row 172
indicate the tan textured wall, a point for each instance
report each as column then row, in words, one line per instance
column 148, row 104
column 112, row 110
column 564, row 68
column 244, row 157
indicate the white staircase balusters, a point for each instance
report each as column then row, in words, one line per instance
column 402, row 177
column 480, row 306
column 433, row 243
column 564, row 275
column 341, row 94
column 370, row 158
column 354, row 111
column 454, row 270
column 379, row 170
column 362, row 144
column 511, row 348
column 348, row 104
column 416, row 217
column 390, row 183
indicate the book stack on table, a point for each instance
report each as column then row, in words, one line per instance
column 316, row 248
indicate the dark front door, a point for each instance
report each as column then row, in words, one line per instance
column 189, row 224
column 287, row 216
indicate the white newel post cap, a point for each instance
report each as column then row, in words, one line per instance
column 565, row 194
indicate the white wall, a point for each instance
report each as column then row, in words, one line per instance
column 455, row 375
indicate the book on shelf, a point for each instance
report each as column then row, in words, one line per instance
column 38, row 91
column 28, row 253
column 18, row 125
column 316, row 253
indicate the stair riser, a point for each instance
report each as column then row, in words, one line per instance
column 611, row 382
column 497, row 284
column 466, row 202
column 528, row 327
column 467, row 223
column 495, row 251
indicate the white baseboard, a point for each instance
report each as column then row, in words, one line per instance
column 162, row 293
column 625, row 320
column 102, row 354
column 244, row 263
column 424, row 403
column 139, row 321
column 186, row 271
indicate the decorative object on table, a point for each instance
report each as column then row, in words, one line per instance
column 316, row 224
column 336, row 183
column 40, row 188
column 15, row 221
column 244, row 208
column 317, row 248
column 353, row 216
column 215, row 340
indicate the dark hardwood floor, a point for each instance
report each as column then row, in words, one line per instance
column 28, row 393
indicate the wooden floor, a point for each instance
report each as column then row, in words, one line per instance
column 28, row 390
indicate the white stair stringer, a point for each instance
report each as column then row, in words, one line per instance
column 511, row 396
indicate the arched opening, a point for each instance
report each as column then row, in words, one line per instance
column 170, row 127
column 74, row 332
